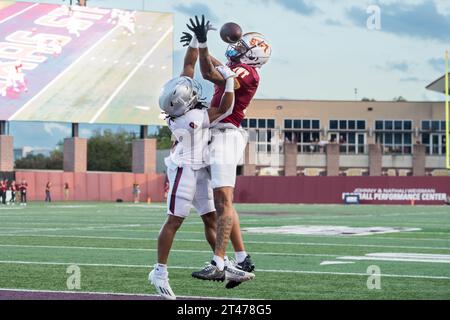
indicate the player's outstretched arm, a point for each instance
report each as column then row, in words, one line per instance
column 215, row 62
column 207, row 67
column 227, row 102
column 190, row 59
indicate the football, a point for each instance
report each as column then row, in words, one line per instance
column 231, row 32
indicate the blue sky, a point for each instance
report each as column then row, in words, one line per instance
column 322, row 49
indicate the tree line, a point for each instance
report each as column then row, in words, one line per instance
column 107, row 151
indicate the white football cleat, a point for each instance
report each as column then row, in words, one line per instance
column 234, row 274
column 162, row 286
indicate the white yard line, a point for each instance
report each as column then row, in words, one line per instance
column 74, row 228
column 247, row 242
column 195, row 268
column 154, row 250
column 19, row 13
column 111, row 293
column 104, row 228
column 132, row 73
column 146, row 231
column 56, row 79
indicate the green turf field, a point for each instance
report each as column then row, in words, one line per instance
column 114, row 245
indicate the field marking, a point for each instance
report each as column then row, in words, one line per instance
column 251, row 222
column 72, row 229
column 113, row 293
column 62, row 74
column 369, row 237
column 196, row 268
column 247, row 242
column 130, row 75
column 19, row 13
column 154, row 250
column 403, row 257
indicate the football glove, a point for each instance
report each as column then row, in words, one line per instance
column 200, row 29
column 186, row 39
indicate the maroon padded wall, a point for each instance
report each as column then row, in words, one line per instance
column 330, row 189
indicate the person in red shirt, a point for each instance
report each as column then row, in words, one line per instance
column 4, row 187
column 66, row 191
column 228, row 139
column 13, row 189
column 23, row 193
column 48, row 197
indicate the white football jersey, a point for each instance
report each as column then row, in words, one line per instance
column 192, row 137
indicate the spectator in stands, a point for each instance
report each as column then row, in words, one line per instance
column 48, row 187
column 23, row 193
column 66, row 191
column 13, row 192
column 136, row 192
column 1, row 192
column 4, row 187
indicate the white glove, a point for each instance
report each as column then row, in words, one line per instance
column 226, row 72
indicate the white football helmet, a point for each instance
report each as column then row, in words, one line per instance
column 252, row 49
column 179, row 95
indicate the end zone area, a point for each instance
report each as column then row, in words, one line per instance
column 114, row 247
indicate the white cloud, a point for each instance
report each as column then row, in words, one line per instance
column 443, row 7
column 85, row 132
column 57, row 129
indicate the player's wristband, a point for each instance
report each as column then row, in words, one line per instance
column 202, row 45
column 229, row 85
column 194, row 42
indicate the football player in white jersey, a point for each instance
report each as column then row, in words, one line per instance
column 189, row 120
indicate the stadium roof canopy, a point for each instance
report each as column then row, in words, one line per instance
column 438, row 85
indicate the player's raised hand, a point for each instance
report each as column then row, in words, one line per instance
column 226, row 72
column 186, row 39
column 209, row 27
column 199, row 28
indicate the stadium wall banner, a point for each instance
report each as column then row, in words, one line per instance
column 333, row 190
column 93, row 186
column 83, row 64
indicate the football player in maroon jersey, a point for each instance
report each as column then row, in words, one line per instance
column 229, row 139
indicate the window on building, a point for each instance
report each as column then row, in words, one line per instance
column 260, row 132
column 433, row 136
column 305, row 132
column 394, row 135
column 350, row 134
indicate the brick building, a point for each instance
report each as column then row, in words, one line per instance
column 295, row 137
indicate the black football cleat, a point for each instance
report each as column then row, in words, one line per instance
column 247, row 265
column 210, row 272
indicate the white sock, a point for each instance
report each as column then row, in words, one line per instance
column 161, row 269
column 240, row 256
column 219, row 262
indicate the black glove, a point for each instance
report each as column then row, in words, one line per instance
column 200, row 29
column 186, row 39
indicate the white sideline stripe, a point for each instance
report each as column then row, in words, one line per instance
column 154, row 250
column 403, row 257
column 19, row 13
column 329, row 263
column 74, row 228
column 196, row 268
column 61, row 74
column 147, row 231
column 247, row 242
column 124, row 82
column 112, row 293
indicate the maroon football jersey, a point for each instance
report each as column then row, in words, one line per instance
column 248, row 79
